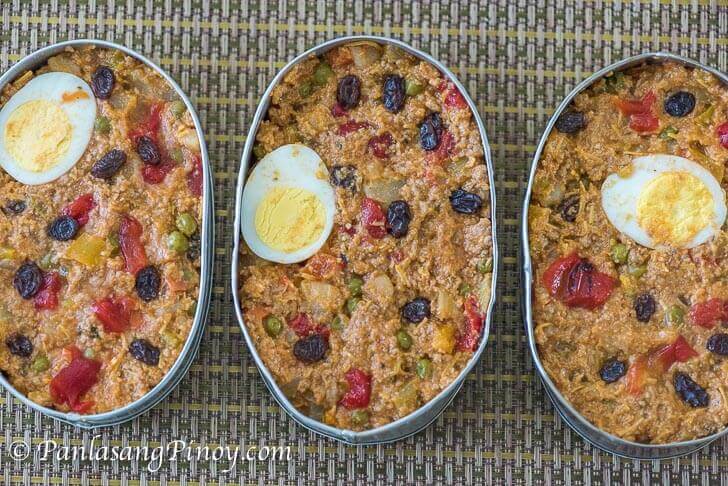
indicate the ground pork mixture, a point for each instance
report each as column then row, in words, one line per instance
column 633, row 337
column 391, row 309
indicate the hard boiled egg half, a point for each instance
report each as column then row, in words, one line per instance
column 288, row 205
column 665, row 201
column 45, row 127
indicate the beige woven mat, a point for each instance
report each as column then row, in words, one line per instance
column 518, row 59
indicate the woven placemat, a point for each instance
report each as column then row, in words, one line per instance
column 517, row 59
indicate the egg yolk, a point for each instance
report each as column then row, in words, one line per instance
column 674, row 207
column 289, row 219
column 37, row 135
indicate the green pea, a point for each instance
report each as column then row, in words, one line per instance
column 40, row 363
column 413, row 88
column 258, row 151
column 338, row 323
column 178, row 108
column 485, row 266
column 305, row 89
column 178, row 242
column 675, row 314
column 177, row 155
column 424, row 368
column 102, row 125
column 322, row 73
column 620, row 252
column 170, row 338
column 637, row 270
column 615, row 82
column 668, row 132
column 354, row 285
column 89, row 353
column 113, row 242
column 273, row 326
column 404, row 340
column 186, row 224
column 464, row 289
column 351, row 304
column 360, row 417
column 46, row 262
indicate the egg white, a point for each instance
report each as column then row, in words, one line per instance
column 81, row 115
column 620, row 196
column 294, row 166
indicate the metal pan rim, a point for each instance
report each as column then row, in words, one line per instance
column 611, row 443
column 423, row 416
column 188, row 352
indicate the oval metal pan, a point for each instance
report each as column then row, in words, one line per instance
column 423, row 416
column 189, row 351
column 586, row 429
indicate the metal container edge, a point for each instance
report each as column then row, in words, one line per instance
column 189, row 351
column 592, row 434
column 429, row 412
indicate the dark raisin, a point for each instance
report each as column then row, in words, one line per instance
column 193, row 248
column 19, row 345
column 27, row 280
column 416, row 310
column 465, row 202
column 718, row 344
column 689, row 391
column 644, row 307
column 612, row 370
column 398, row 218
column 147, row 283
column 348, row 92
column 569, row 208
column 311, row 348
column 148, row 151
column 680, row 104
column 431, row 131
column 144, row 351
column 108, row 165
column 63, row 228
column 570, row 122
column 102, row 82
column 344, row 176
column 393, row 93
column 13, row 207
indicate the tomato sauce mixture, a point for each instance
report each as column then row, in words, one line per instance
column 633, row 337
column 100, row 268
column 391, row 309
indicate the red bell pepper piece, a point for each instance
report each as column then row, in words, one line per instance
column 372, row 218
column 360, row 390
column 73, row 381
column 47, row 296
column 380, row 144
column 149, row 127
column 303, row 326
column 657, row 362
column 469, row 338
column 115, row 314
column 322, row 265
column 351, row 126
column 575, row 282
column 454, row 99
column 338, row 111
column 196, row 177
column 641, row 118
column 722, row 131
column 130, row 241
column 79, row 208
column 709, row 313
